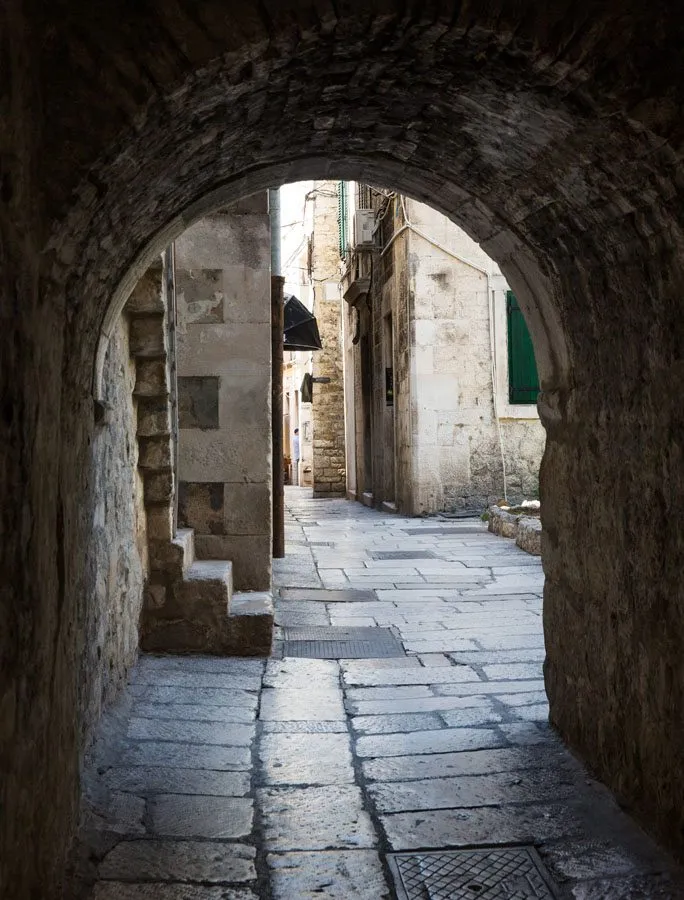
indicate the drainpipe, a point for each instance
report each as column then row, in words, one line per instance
column 277, row 283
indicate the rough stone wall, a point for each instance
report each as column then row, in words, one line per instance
column 224, row 378
column 353, row 402
column 329, row 476
column 457, row 449
column 159, row 116
column 118, row 548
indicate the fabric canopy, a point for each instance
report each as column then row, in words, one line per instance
column 300, row 330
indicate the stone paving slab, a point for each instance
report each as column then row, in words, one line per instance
column 428, row 742
column 477, row 762
column 296, row 704
column 489, row 687
column 636, row 887
column 117, row 890
column 231, row 734
column 196, row 696
column 211, row 782
column 201, row 679
column 174, row 815
column 586, row 859
column 304, row 727
column 333, row 595
column 203, row 862
column 186, row 756
column 147, row 780
column 423, row 675
column 186, row 712
column 149, row 664
column 530, row 786
column 315, row 818
column 525, row 824
column 306, row 759
column 396, row 722
column 328, row 875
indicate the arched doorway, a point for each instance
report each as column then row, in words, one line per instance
column 551, row 136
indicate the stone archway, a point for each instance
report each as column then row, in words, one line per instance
column 552, row 137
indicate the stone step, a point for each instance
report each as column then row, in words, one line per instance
column 203, row 615
column 251, row 623
column 170, row 560
column 214, row 573
column 185, row 540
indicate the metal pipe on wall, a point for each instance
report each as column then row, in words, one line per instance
column 277, row 282
column 277, row 305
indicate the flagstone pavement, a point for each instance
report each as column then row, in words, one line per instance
column 237, row 779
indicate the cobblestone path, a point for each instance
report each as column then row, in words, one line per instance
column 235, row 779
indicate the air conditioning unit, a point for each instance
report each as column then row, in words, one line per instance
column 364, row 228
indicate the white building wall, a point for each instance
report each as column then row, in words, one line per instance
column 296, row 218
column 461, row 428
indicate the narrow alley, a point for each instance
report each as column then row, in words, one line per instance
column 237, row 779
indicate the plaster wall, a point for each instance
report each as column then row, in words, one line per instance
column 224, row 385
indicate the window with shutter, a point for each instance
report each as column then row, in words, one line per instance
column 342, row 218
column 523, row 380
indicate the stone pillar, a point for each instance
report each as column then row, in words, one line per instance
column 224, row 388
column 329, row 473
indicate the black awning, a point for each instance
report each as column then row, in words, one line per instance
column 300, row 329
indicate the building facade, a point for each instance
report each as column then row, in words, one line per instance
column 296, row 244
column 440, row 378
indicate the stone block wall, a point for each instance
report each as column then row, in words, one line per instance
column 583, row 210
column 329, row 472
column 224, row 377
column 118, row 542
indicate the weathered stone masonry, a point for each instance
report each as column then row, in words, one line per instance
column 224, row 368
column 328, row 398
column 553, row 135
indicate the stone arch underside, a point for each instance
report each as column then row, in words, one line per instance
column 553, row 137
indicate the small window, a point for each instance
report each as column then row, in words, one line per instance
column 523, row 380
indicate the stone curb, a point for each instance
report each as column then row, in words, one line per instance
column 526, row 530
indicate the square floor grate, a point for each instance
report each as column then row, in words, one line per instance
column 502, row 873
column 401, row 554
column 446, row 530
column 340, row 643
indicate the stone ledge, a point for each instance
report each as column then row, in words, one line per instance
column 526, row 530
column 529, row 535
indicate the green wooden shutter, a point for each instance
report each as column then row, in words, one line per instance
column 523, row 380
column 342, row 218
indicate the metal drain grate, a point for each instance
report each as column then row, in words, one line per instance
column 507, row 873
column 447, row 531
column 401, row 554
column 340, row 643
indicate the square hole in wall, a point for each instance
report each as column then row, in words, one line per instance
column 198, row 405
column 201, row 506
column 200, row 295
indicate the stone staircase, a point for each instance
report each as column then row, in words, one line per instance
column 189, row 604
column 201, row 613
